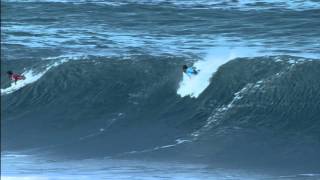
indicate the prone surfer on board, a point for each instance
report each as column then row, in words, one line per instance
column 189, row 70
column 15, row 77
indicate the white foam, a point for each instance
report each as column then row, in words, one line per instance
column 31, row 77
column 23, row 178
column 177, row 142
column 195, row 85
column 34, row 167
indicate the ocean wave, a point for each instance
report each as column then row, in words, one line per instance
column 81, row 107
column 135, row 29
column 30, row 77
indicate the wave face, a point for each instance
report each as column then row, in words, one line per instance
column 255, row 110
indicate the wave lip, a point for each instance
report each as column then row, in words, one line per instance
column 193, row 86
column 31, row 77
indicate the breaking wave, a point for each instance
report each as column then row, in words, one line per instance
column 145, row 107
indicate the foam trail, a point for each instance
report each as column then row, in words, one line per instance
column 31, row 77
column 195, row 85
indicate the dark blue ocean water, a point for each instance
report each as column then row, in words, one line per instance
column 126, row 95
column 49, row 28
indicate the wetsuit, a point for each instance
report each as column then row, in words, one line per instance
column 15, row 77
column 191, row 71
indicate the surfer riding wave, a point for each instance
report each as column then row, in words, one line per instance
column 15, row 76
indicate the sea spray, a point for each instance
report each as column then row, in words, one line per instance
column 193, row 86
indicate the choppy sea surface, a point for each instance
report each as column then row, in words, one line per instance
column 49, row 28
column 26, row 167
column 104, row 80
